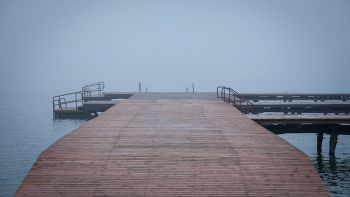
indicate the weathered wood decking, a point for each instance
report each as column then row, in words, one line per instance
column 172, row 147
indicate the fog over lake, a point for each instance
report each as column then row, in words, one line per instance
column 52, row 47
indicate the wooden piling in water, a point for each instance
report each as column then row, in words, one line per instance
column 333, row 141
column 319, row 141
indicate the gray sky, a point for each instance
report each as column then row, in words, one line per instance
column 56, row 46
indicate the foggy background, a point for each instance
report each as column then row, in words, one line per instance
column 53, row 47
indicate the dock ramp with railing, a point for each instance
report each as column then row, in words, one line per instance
column 87, row 102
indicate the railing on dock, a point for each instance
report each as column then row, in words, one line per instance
column 338, row 105
column 256, row 97
column 74, row 100
column 231, row 96
column 93, row 89
column 67, row 101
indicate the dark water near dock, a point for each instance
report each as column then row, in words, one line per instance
column 27, row 128
column 334, row 171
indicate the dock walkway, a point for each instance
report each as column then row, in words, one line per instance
column 158, row 146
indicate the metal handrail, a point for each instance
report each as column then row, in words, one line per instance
column 88, row 90
column 231, row 96
column 62, row 101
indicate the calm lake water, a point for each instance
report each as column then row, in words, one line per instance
column 27, row 128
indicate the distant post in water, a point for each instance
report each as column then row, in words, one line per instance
column 146, row 89
column 187, row 89
column 139, row 86
column 192, row 87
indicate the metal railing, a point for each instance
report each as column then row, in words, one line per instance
column 231, row 96
column 67, row 101
column 72, row 101
column 93, row 89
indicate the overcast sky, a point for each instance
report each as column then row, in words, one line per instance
column 55, row 46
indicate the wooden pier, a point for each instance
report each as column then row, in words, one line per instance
column 316, row 113
column 163, row 144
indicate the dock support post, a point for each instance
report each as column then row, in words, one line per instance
column 139, row 86
column 319, row 142
column 333, row 141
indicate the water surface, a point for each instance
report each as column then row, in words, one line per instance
column 27, row 129
column 335, row 170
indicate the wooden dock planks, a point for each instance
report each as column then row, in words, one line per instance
column 172, row 147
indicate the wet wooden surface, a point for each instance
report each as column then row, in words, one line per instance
column 172, row 147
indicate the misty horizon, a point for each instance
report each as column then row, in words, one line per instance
column 53, row 47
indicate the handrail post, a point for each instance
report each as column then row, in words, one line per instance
column 229, row 97
column 76, row 101
column 59, row 102
column 244, row 105
column 53, row 106
column 225, row 94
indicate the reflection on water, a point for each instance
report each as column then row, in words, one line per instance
column 334, row 170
